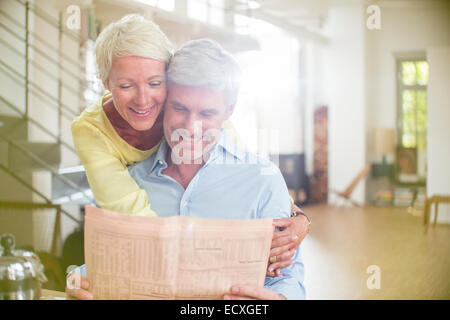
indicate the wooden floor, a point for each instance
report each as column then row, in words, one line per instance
column 345, row 241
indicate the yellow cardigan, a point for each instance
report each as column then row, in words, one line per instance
column 105, row 156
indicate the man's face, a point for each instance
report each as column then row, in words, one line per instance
column 193, row 118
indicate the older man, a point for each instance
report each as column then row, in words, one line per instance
column 200, row 171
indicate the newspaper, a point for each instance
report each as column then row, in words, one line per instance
column 134, row 257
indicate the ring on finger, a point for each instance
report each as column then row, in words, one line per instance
column 273, row 259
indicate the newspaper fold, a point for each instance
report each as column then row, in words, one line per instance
column 134, row 257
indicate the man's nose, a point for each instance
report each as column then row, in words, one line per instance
column 194, row 127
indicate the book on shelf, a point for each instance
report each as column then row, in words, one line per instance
column 403, row 197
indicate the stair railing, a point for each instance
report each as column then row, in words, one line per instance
column 37, row 192
column 65, row 66
column 63, row 62
column 43, row 164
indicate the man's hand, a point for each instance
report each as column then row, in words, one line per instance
column 285, row 242
column 77, row 287
column 248, row 292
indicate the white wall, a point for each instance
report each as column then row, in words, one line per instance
column 438, row 177
column 407, row 27
column 345, row 96
column 315, row 95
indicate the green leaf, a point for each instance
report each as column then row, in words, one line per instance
column 409, row 73
column 422, row 72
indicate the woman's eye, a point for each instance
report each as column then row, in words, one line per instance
column 155, row 84
column 124, row 86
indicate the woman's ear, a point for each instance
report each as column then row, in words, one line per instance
column 106, row 86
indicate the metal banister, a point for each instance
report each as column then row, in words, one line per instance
column 28, row 205
column 30, row 187
column 67, row 68
column 39, row 90
column 39, row 38
column 42, row 53
column 48, row 18
column 37, row 66
column 40, row 126
column 47, row 167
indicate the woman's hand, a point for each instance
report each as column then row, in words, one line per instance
column 77, row 287
column 285, row 242
column 248, row 292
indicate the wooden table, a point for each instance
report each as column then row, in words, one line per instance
column 436, row 199
column 52, row 295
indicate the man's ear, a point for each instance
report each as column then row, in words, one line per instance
column 229, row 111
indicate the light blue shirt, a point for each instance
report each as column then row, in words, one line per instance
column 233, row 184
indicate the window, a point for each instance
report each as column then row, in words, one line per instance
column 168, row 5
column 412, row 100
column 208, row 11
column 413, row 82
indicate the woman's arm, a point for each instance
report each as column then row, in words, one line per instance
column 113, row 187
column 285, row 242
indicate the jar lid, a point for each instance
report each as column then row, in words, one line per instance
column 19, row 264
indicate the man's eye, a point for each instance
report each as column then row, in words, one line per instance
column 177, row 108
column 124, row 86
column 155, row 84
column 208, row 114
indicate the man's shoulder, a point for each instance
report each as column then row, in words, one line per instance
column 236, row 155
column 257, row 165
column 265, row 166
column 143, row 168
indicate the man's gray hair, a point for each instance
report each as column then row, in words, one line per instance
column 204, row 63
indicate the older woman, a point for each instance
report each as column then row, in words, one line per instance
column 125, row 125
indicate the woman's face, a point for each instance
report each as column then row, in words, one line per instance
column 138, row 87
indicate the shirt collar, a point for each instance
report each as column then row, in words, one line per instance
column 160, row 157
column 227, row 144
column 224, row 144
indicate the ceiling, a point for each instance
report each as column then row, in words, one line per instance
column 305, row 13
column 305, row 18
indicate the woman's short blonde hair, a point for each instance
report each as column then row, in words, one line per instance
column 132, row 35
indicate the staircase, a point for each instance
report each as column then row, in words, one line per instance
column 42, row 88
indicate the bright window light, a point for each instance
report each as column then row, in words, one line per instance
column 242, row 24
column 216, row 12
column 269, row 90
column 246, row 4
column 152, row 3
column 198, row 10
column 168, row 5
